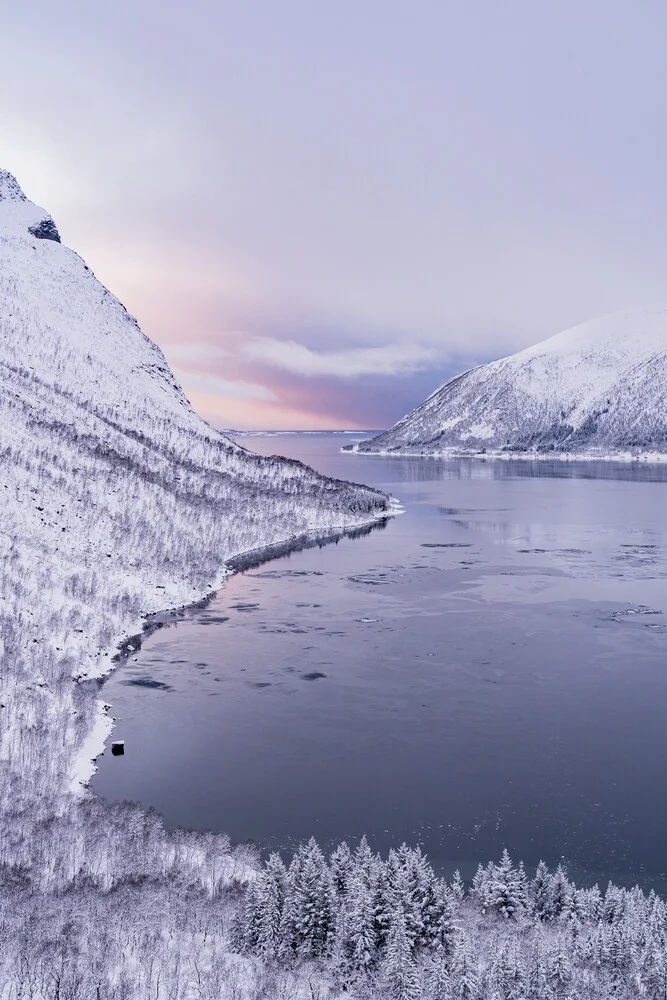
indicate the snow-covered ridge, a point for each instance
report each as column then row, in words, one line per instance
column 597, row 389
column 10, row 189
column 116, row 499
column 17, row 214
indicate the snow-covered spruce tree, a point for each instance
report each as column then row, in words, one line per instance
column 430, row 902
column 536, row 977
column 508, row 974
column 308, row 918
column 542, row 893
column 482, row 886
column 385, row 896
column 360, row 946
column 269, row 894
column 562, row 893
column 523, row 886
column 248, row 936
column 409, row 888
column 652, row 973
column 443, row 929
column 288, row 933
column 400, row 978
column 458, row 888
column 507, row 889
column 613, row 907
column 340, row 863
column 464, row 976
column 314, row 904
column 438, row 984
column 559, row 974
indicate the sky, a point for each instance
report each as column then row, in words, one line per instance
column 321, row 211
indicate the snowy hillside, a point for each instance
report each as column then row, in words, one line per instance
column 117, row 499
column 598, row 388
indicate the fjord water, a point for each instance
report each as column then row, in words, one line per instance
column 488, row 669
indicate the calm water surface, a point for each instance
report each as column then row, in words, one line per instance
column 489, row 669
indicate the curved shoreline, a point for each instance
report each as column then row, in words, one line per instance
column 84, row 764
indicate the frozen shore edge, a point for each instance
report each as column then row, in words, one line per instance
column 84, row 765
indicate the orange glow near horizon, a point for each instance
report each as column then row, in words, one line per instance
column 259, row 415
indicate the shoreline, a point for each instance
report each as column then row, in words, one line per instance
column 129, row 641
column 622, row 457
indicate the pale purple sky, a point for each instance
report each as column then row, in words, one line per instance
column 320, row 211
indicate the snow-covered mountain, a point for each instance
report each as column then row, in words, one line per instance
column 598, row 388
column 117, row 500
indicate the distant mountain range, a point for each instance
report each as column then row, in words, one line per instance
column 596, row 389
column 336, row 432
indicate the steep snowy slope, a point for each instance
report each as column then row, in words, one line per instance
column 117, row 500
column 597, row 388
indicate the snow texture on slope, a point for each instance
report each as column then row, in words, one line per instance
column 18, row 214
column 597, row 388
column 116, row 499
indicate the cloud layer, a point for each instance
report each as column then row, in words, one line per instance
column 371, row 196
column 266, row 382
column 212, row 385
column 390, row 359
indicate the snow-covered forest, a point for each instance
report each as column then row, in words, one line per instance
column 117, row 502
column 394, row 929
column 129, row 910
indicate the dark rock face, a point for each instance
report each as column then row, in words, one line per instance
column 10, row 189
column 46, row 230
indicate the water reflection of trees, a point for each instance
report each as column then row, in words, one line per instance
column 241, row 564
column 417, row 468
column 308, row 540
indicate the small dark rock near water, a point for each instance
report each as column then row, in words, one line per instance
column 118, row 748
